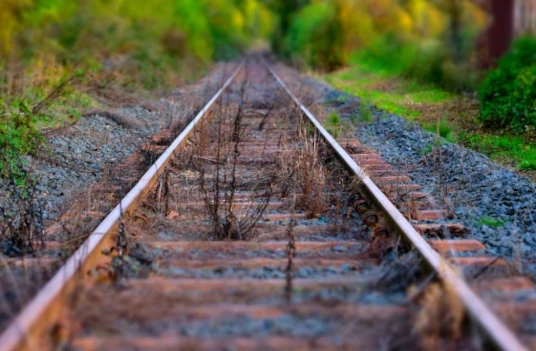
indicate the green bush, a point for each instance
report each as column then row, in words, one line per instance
column 431, row 41
column 508, row 94
column 18, row 136
column 427, row 64
column 315, row 37
column 380, row 51
column 128, row 44
column 426, row 61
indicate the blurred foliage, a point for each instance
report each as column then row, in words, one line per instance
column 508, row 94
column 151, row 45
column 75, row 29
column 144, row 43
column 432, row 40
column 127, row 45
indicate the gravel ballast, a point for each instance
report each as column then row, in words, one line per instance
column 497, row 205
column 75, row 157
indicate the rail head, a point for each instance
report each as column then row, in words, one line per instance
column 19, row 334
column 497, row 331
column 22, row 332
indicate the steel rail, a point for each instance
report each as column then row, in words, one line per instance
column 498, row 332
column 24, row 331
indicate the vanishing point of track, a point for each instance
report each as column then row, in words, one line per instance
column 306, row 237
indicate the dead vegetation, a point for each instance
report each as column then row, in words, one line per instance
column 311, row 180
column 226, row 165
column 21, row 213
column 447, row 192
column 291, row 254
column 440, row 317
column 23, row 268
column 302, row 170
column 20, row 279
column 27, row 260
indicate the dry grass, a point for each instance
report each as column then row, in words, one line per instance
column 20, row 279
column 291, row 254
column 441, row 316
column 302, row 171
column 448, row 193
column 21, row 215
column 220, row 192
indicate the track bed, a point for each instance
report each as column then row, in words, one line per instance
column 207, row 277
column 257, row 235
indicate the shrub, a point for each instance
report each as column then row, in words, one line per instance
column 426, row 61
column 508, row 94
column 432, row 41
column 315, row 37
column 128, row 44
column 333, row 119
column 18, row 136
column 379, row 55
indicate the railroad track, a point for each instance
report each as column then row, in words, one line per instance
column 256, row 230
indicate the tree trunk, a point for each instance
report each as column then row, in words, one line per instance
column 499, row 34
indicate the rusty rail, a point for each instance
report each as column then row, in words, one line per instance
column 25, row 330
column 499, row 333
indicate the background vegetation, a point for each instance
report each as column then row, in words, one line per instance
column 60, row 56
column 420, row 59
column 508, row 94
column 433, row 40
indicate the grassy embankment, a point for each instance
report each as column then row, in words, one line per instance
column 61, row 59
column 451, row 116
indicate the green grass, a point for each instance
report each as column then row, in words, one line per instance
column 354, row 118
column 65, row 110
column 490, row 222
column 528, row 165
column 21, row 124
column 509, row 147
column 334, row 124
column 443, row 128
column 427, row 149
column 366, row 112
column 333, row 119
column 358, row 81
column 383, row 86
column 334, row 131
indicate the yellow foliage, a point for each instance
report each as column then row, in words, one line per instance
column 10, row 23
column 406, row 22
column 428, row 20
column 474, row 16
